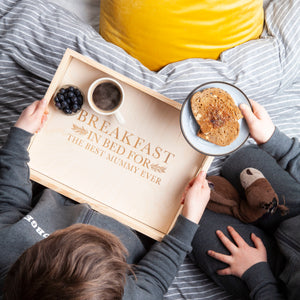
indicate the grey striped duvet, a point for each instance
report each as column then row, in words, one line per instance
column 34, row 34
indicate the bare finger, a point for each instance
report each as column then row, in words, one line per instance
column 41, row 107
column 258, row 243
column 32, row 107
column 226, row 271
column 226, row 242
column 236, row 237
column 186, row 189
column 258, row 110
column 200, row 178
column 205, row 184
column 219, row 256
column 247, row 113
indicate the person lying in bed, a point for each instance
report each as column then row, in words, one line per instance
column 244, row 252
column 54, row 248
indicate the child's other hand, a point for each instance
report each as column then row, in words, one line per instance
column 259, row 122
column 33, row 117
column 195, row 198
column 242, row 255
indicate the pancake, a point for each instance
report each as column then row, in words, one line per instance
column 217, row 115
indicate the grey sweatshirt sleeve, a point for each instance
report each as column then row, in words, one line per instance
column 15, row 185
column 261, row 282
column 156, row 271
column 286, row 151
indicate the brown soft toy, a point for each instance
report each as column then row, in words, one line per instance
column 260, row 197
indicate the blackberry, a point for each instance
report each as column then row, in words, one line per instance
column 69, row 99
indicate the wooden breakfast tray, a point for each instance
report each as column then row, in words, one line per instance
column 134, row 172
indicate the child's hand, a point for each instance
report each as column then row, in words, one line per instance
column 33, row 117
column 195, row 198
column 242, row 255
column 259, row 122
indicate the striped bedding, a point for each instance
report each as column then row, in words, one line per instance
column 34, row 35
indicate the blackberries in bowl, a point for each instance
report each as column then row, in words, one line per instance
column 69, row 99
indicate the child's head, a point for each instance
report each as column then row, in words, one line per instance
column 81, row 262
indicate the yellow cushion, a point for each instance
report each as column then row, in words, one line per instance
column 159, row 32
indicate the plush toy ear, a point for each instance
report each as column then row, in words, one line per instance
column 260, row 196
column 223, row 197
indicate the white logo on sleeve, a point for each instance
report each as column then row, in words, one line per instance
column 37, row 228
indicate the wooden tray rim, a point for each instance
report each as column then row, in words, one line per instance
column 80, row 197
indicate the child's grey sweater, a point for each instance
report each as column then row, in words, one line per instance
column 25, row 221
